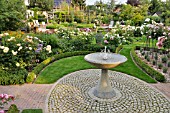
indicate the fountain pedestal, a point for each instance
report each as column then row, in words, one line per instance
column 104, row 89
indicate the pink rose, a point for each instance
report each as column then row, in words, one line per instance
column 159, row 44
column 106, row 42
column 2, row 111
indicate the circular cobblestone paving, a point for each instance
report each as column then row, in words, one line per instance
column 70, row 95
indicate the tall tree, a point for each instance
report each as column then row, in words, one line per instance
column 155, row 6
column 79, row 3
column 12, row 14
column 133, row 2
column 45, row 5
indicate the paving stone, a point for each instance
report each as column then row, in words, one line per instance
column 136, row 95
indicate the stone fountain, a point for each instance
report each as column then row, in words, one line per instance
column 104, row 60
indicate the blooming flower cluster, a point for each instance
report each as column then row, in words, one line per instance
column 115, row 39
column 4, row 99
column 21, row 52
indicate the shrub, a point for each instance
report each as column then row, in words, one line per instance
column 168, row 55
column 160, row 65
column 165, row 69
column 154, row 62
column 160, row 52
column 164, row 59
column 31, row 76
column 168, row 64
column 148, row 59
column 153, row 73
column 156, row 56
column 13, row 109
column 16, row 77
column 51, row 27
column 146, row 56
column 143, row 53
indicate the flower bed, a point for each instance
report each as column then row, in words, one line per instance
column 149, row 70
column 158, row 60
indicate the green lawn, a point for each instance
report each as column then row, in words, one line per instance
column 130, row 68
column 32, row 111
column 67, row 65
column 62, row 67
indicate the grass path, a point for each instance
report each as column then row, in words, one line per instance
column 67, row 65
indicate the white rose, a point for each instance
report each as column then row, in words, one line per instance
column 18, row 44
column 19, row 48
column 14, row 52
column 17, row 64
column 1, row 35
column 48, row 48
column 1, row 47
column 6, row 49
column 6, row 34
column 50, row 51
column 30, row 48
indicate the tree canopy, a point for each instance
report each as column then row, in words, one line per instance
column 45, row 5
column 12, row 14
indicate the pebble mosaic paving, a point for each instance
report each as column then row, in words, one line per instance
column 70, row 95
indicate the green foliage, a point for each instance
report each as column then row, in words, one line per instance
column 85, row 25
column 160, row 65
column 15, row 77
column 32, row 111
column 31, row 76
column 119, row 48
column 154, row 62
column 148, row 59
column 133, row 13
column 12, row 12
column 169, row 64
column 13, row 109
column 164, row 59
column 22, row 52
column 155, row 6
column 45, row 5
column 153, row 73
column 165, row 69
column 51, row 27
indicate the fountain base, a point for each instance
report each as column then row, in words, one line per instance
column 104, row 96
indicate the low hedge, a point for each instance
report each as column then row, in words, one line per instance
column 150, row 71
column 32, row 75
column 9, row 78
column 51, row 27
column 119, row 48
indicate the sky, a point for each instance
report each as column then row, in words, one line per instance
column 91, row 2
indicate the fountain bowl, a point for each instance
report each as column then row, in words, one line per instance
column 98, row 60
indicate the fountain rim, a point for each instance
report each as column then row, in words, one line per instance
column 121, row 61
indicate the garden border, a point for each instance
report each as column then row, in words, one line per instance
column 150, row 71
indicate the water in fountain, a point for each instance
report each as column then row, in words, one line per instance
column 106, row 53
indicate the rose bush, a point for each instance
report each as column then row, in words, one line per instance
column 5, row 99
column 22, row 52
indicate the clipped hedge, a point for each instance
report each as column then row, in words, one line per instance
column 119, row 48
column 32, row 75
column 9, row 78
column 150, row 71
